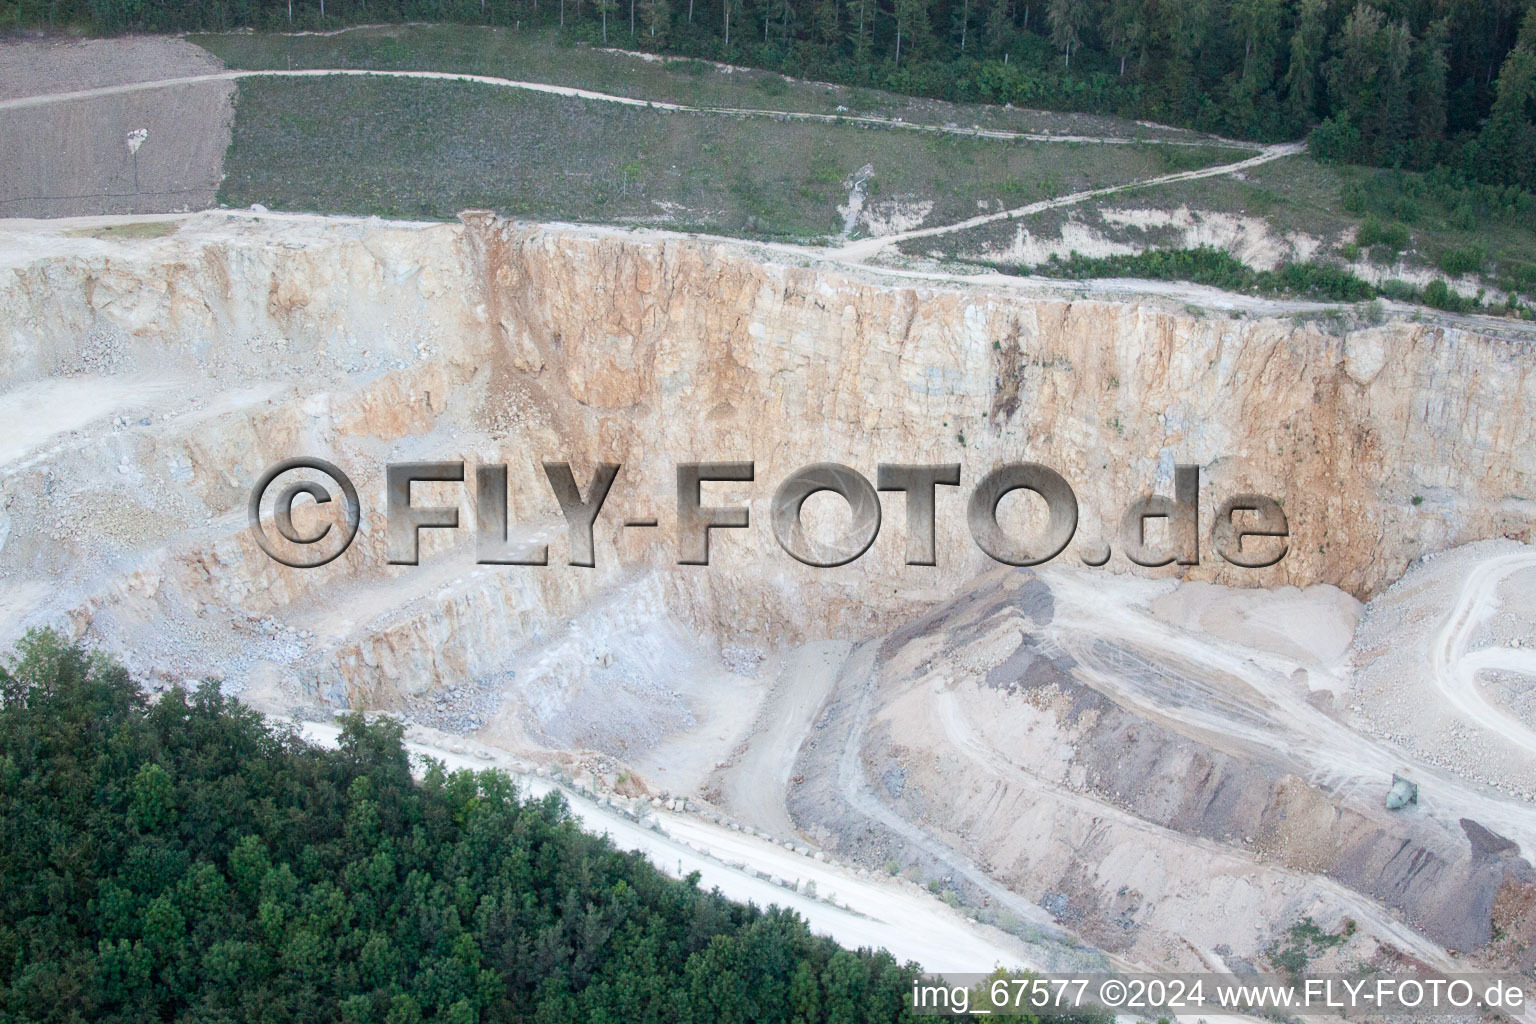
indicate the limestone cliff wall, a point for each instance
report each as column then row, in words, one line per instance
column 673, row 349
column 493, row 340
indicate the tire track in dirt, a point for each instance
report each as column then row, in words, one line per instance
column 631, row 101
column 867, row 247
column 1454, row 671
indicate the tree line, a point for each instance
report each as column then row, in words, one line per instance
column 1407, row 83
column 183, row 860
column 1312, row 280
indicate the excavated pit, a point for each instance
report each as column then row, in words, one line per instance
column 1061, row 750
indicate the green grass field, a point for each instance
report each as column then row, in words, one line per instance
column 540, row 55
column 428, row 149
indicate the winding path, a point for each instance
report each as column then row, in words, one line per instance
column 754, row 786
column 856, row 251
column 1100, row 627
column 869, row 912
column 866, row 247
column 628, row 101
column 1454, row 671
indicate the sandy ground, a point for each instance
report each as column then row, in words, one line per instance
column 1428, row 653
column 73, row 158
column 1314, row 627
column 37, row 68
column 32, row 415
column 753, row 786
column 996, row 797
column 1455, row 670
column 943, row 773
column 1292, row 723
column 722, row 705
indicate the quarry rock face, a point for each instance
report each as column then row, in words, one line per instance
column 786, row 364
column 501, row 341
column 1029, row 755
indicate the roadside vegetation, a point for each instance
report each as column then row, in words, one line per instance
column 185, row 860
column 1393, row 215
column 1457, row 227
column 426, row 149
column 1219, row 269
column 1398, row 229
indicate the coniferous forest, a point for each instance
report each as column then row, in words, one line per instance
column 1447, row 85
column 184, row 861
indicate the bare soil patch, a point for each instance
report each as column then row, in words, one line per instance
column 75, row 159
column 45, row 66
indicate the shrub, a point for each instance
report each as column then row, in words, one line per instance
column 1354, row 198
column 1441, row 296
column 1384, row 240
column 1465, row 260
column 1336, row 140
column 1395, row 236
column 1369, row 233
column 1404, row 208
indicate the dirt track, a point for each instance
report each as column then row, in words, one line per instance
column 37, row 98
column 807, row 677
column 58, row 65
column 87, row 175
column 1454, row 671
column 866, row 247
column 867, row 912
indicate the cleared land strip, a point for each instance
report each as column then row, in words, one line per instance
column 866, row 247
column 604, row 97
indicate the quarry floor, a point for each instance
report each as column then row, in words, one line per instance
column 1251, row 652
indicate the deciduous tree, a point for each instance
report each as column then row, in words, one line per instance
column 1067, row 18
